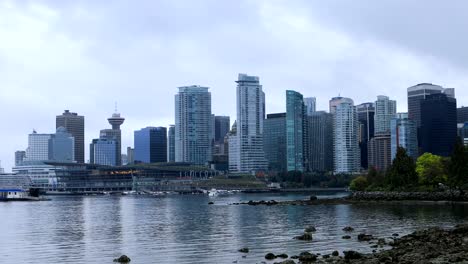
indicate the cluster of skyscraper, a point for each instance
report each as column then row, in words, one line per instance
column 347, row 139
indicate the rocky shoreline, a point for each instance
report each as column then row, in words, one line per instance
column 433, row 245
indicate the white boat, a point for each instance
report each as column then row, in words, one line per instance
column 213, row 192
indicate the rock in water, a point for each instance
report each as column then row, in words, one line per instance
column 352, row 254
column 348, row 229
column 307, row 257
column 244, row 250
column 313, row 198
column 346, row 237
column 335, row 253
column 364, row 237
column 305, row 236
column 282, row 256
column 211, row 203
column 310, row 229
column 270, row 256
column 122, row 259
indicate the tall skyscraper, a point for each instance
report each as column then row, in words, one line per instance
column 274, row 141
column 20, row 156
column 366, row 113
column 345, row 135
column 462, row 115
column 75, row 125
column 250, row 116
column 404, row 134
column 116, row 121
column 150, row 145
column 171, row 144
column 320, row 141
column 38, row 147
column 295, row 130
column 310, row 105
column 62, row 146
column 193, row 128
column 385, row 110
column 438, row 124
column 222, row 126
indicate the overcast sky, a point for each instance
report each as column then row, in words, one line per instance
column 86, row 55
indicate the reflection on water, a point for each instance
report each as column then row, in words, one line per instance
column 185, row 229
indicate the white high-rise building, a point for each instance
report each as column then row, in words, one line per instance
column 38, row 147
column 310, row 104
column 347, row 157
column 193, row 125
column 247, row 148
column 385, row 110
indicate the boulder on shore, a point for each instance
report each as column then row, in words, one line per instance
column 122, row 259
column 365, row 237
column 307, row 257
column 352, row 254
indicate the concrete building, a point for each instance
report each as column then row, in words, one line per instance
column 171, row 144
column 345, row 136
column 62, row 146
column 380, row 152
column 150, row 145
column 274, row 142
column 20, row 156
column 310, row 105
column 438, row 124
column 295, row 131
column 75, row 125
column 193, row 128
column 250, row 116
column 366, row 113
column 320, row 141
column 404, row 134
column 38, row 147
column 385, row 110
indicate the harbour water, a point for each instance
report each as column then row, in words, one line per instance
column 186, row 229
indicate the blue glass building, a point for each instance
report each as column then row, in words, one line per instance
column 295, row 112
column 150, row 145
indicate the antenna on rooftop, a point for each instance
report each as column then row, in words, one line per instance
column 115, row 105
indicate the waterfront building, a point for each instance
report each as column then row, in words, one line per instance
column 1, row 169
column 193, row 128
column 380, row 151
column 116, row 134
column 385, row 110
column 366, row 113
column 171, row 144
column 295, row 131
column 130, row 155
column 38, row 147
column 462, row 115
column 75, row 125
column 345, row 135
column 250, row 156
column 404, row 134
column 274, row 142
column 150, row 145
column 320, row 141
column 62, row 146
column 103, row 151
column 222, row 126
column 310, row 105
column 438, row 124
column 20, row 156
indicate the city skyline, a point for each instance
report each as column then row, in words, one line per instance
column 51, row 42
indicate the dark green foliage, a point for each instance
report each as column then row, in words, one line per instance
column 458, row 166
column 359, row 184
column 402, row 173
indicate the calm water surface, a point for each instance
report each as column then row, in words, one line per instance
column 185, row 229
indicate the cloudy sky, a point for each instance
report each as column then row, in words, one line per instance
column 86, row 55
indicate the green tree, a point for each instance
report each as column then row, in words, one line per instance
column 402, row 173
column 458, row 166
column 430, row 169
column 359, row 184
column 375, row 178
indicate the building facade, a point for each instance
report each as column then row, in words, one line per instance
column 295, row 131
column 380, row 152
column 20, row 156
column 274, row 132
column 320, row 141
column 116, row 134
column 38, row 147
column 62, row 146
column 250, row 156
column 366, row 113
column 150, row 145
column 385, row 110
column 130, row 155
column 171, row 144
column 310, row 105
column 222, row 126
column 103, row 152
column 462, row 115
column 75, row 125
column 345, row 136
column 193, row 128
column 404, row 134
column 438, row 124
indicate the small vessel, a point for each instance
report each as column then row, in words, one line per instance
column 213, row 192
column 19, row 195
